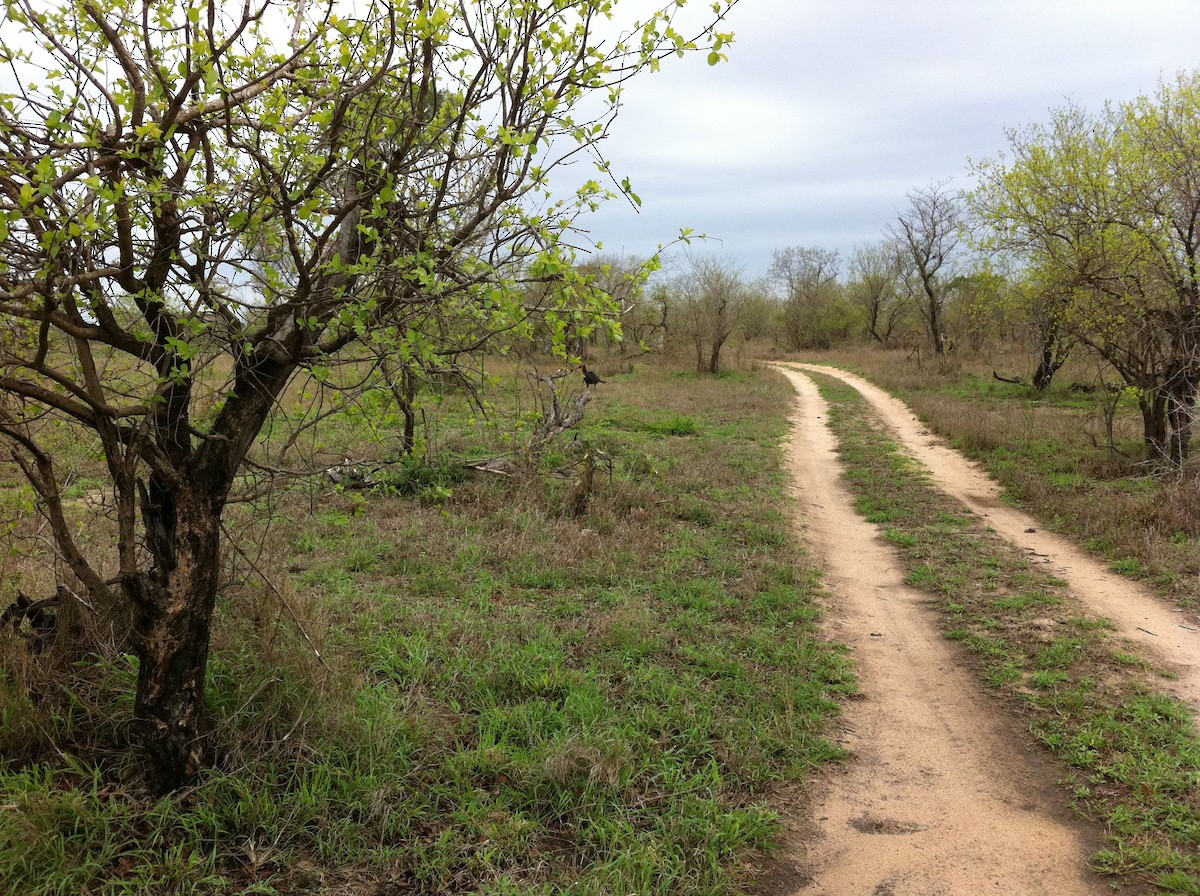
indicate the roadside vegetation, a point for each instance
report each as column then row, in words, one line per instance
column 507, row 697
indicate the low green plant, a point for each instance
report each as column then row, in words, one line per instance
column 415, row 477
column 481, row 694
column 1130, row 566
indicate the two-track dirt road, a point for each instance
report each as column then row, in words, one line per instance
column 945, row 794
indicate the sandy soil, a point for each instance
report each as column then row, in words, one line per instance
column 1161, row 632
column 944, row 794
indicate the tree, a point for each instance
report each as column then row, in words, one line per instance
column 926, row 235
column 1041, row 308
column 1104, row 212
column 710, row 301
column 200, row 202
column 873, row 286
column 759, row 316
column 814, row 312
column 976, row 309
column 621, row 280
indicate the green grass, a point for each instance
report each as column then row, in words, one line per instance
column 507, row 699
column 1133, row 754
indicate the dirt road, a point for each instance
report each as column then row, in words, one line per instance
column 944, row 795
column 1163, row 633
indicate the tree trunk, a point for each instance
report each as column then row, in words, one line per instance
column 1055, row 351
column 175, row 602
column 714, row 356
column 935, row 321
column 1154, row 425
column 1181, row 404
column 402, row 382
column 408, row 407
column 1047, row 367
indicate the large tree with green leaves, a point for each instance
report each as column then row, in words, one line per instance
column 200, row 201
column 1103, row 211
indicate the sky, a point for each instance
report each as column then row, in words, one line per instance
column 829, row 112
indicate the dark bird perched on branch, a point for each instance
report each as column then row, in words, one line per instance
column 590, row 377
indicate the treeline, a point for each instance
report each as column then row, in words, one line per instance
column 924, row 286
column 1081, row 239
column 937, row 299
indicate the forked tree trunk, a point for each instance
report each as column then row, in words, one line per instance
column 175, row 602
column 174, row 599
column 1049, row 363
column 1167, row 415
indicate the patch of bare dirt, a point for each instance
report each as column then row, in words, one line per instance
column 943, row 795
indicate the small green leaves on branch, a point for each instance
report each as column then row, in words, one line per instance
column 200, row 202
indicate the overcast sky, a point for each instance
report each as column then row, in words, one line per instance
column 829, row 111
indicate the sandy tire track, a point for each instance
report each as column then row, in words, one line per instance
column 1164, row 634
column 943, row 796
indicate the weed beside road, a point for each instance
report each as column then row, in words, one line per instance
column 1073, row 458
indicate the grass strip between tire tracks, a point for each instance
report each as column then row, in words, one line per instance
column 1133, row 753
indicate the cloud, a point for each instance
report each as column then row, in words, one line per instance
column 830, row 111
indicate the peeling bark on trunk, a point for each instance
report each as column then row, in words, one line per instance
column 175, row 601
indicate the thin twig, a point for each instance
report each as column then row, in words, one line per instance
column 283, row 602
